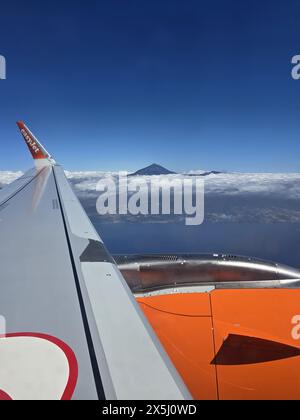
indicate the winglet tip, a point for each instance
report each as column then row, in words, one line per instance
column 20, row 125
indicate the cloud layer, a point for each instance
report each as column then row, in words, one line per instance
column 280, row 185
column 229, row 197
column 284, row 185
column 6, row 177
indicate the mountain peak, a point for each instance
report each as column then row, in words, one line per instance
column 153, row 169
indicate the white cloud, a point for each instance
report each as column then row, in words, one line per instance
column 261, row 190
column 281, row 185
column 6, row 177
column 285, row 185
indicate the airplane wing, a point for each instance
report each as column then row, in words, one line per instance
column 71, row 328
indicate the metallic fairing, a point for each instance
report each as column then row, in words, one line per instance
column 145, row 273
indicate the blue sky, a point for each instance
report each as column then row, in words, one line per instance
column 120, row 84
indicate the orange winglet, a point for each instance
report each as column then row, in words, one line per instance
column 36, row 149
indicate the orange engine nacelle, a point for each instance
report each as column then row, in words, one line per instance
column 231, row 344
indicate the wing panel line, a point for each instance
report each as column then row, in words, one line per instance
column 95, row 367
